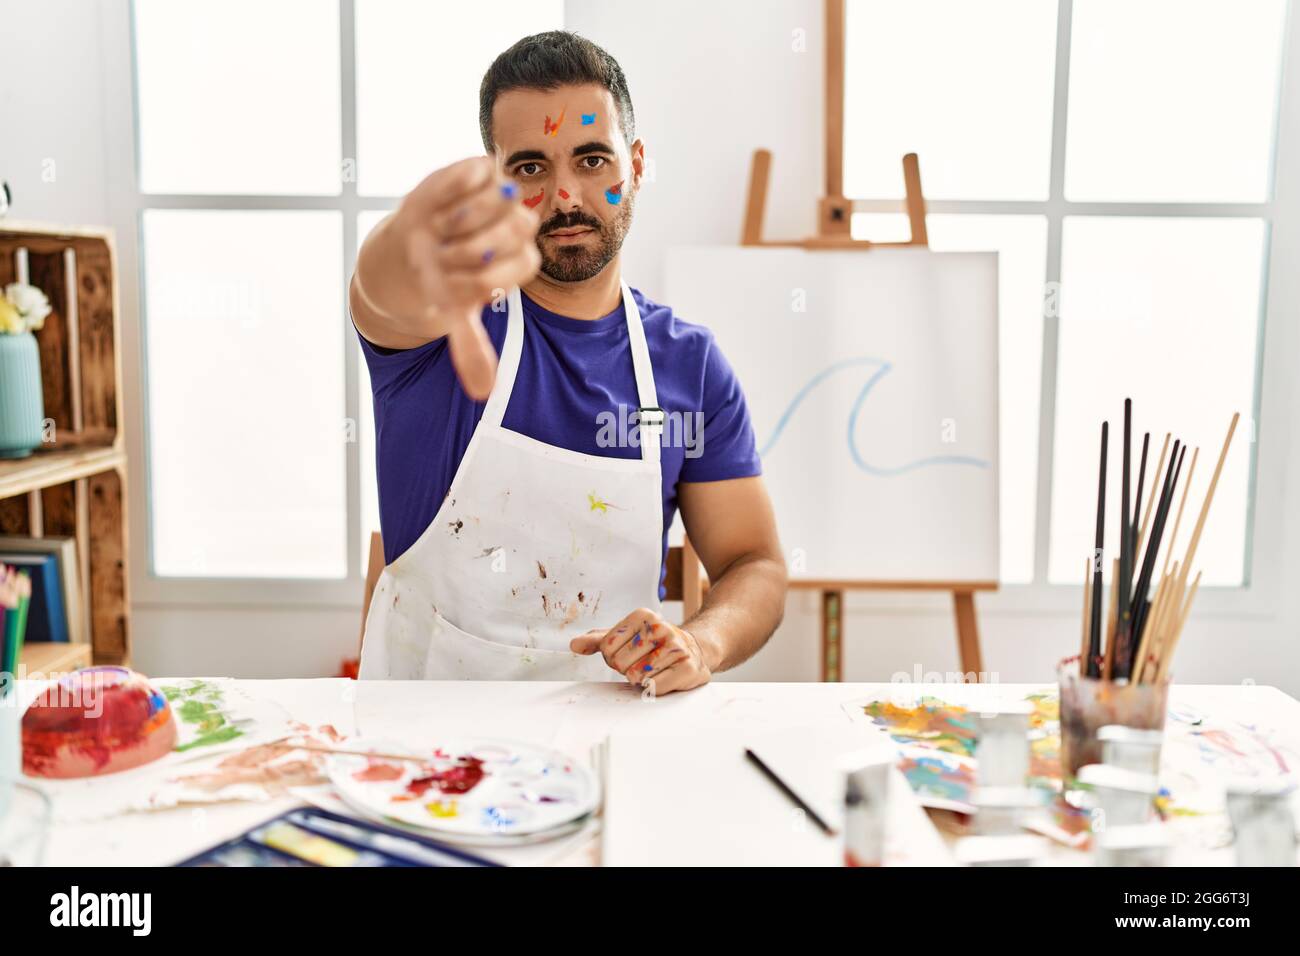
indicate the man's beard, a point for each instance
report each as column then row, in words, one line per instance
column 576, row 263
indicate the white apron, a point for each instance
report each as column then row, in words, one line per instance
column 533, row 545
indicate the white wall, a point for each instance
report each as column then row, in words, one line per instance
column 711, row 82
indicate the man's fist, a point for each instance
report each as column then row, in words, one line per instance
column 458, row 239
column 648, row 650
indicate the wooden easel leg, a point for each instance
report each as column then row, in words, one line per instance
column 968, row 636
column 832, row 634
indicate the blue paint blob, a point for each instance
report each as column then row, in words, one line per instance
column 509, row 190
column 588, row 119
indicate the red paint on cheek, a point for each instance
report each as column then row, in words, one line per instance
column 564, row 194
column 534, row 200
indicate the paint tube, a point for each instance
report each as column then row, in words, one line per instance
column 1002, row 746
column 1001, row 811
column 1143, row 844
column 866, row 805
column 1021, row 850
column 1131, row 748
column 1122, row 797
column 1262, row 821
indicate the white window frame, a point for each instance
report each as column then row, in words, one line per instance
column 129, row 204
column 1267, row 542
column 1258, row 595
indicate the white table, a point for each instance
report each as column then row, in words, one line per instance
column 570, row 716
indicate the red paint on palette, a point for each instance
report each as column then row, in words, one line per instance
column 461, row 778
column 533, row 201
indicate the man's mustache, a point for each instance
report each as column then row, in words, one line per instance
column 569, row 221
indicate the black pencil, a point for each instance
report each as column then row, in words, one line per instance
column 785, row 788
column 1153, row 549
column 1094, row 636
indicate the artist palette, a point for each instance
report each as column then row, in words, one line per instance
column 478, row 789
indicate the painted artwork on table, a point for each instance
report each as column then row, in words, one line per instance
column 937, row 724
column 467, row 788
column 255, row 773
column 212, row 714
column 940, row 779
column 931, row 723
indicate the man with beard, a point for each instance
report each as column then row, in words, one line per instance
column 524, row 536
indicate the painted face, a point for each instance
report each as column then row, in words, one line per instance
column 566, row 149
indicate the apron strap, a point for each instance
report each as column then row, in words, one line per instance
column 650, row 417
column 508, row 364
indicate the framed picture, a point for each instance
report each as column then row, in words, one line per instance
column 65, row 612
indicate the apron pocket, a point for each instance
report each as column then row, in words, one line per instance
column 455, row 654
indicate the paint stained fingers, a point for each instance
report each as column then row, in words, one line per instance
column 678, row 675
column 628, row 638
column 474, row 212
column 649, row 640
column 501, row 239
column 656, row 662
column 489, row 281
column 443, row 188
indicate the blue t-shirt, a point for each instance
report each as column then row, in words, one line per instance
column 570, row 372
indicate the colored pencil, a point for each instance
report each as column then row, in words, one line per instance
column 785, row 788
column 1094, row 638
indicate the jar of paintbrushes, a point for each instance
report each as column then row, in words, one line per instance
column 1122, row 673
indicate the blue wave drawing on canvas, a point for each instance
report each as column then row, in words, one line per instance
column 876, row 470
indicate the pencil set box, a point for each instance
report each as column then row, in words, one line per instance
column 311, row 837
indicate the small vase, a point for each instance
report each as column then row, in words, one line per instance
column 22, row 409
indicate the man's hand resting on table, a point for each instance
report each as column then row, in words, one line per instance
column 651, row 652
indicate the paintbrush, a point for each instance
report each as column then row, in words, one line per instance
column 1094, row 636
column 1137, row 498
column 284, row 744
column 1153, row 547
column 1124, row 621
column 785, row 788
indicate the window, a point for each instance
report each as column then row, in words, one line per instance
column 1118, row 154
column 255, row 186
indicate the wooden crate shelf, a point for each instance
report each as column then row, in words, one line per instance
column 47, row 658
column 75, row 484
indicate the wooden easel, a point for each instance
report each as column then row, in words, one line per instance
column 834, row 231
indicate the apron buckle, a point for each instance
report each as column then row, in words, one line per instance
column 651, row 417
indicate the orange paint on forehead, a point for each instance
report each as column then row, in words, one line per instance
column 549, row 128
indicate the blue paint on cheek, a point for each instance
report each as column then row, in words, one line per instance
column 613, row 198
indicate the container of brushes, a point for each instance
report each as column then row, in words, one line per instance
column 1089, row 703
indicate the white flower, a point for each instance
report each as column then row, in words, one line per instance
column 30, row 302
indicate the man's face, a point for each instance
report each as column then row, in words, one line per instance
column 566, row 149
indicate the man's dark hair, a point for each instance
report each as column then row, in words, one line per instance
column 546, row 61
